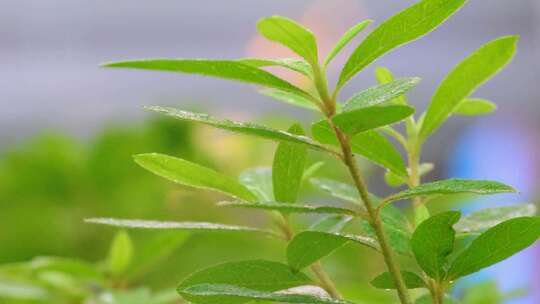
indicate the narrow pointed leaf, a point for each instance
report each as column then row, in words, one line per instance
column 288, row 168
column 288, row 208
column 331, row 223
column 381, row 93
column 486, row 218
column 293, row 64
column 408, row 25
column 463, row 80
column 161, row 225
column 228, row 69
column 475, row 107
column 259, row 182
column 495, row 245
column 290, row 98
column 308, row 247
column 385, row 281
column 337, row 189
column 369, row 144
column 120, row 253
column 369, row 118
column 256, row 275
column 433, row 241
column 345, row 39
column 291, row 35
column 218, row 291
column 453, row 186
column 193, row 175
column 239, row 127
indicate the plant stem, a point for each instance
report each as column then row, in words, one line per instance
column 324, row 280
column 376, row 223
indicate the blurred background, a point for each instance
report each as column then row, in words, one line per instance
column 68, row 128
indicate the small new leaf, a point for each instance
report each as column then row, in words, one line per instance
column 381, row 93
column 288, row 168
column 385, row 280
column 193, row 175
column 475, row 107
column 345, row 39
column 433, row 241
column 408, row 25
column 120, row 253
column 369, row 118
column 291, row 35
column 468, row 75
column 495, row 245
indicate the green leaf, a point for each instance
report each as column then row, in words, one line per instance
column 291, row 35
column 369, row 144
column 312, row 170
column 364, row 119
column 191, row 174
column 331, row 223
column 475, row 107
column 381, row 93
column 453, row 186
column 217, row 291
column 290, row 98
column 486, row 218
column 288, row 208
column 308, row 247
column 256, row 275
column 395, row 181
column 187, row 226
column 228, row 69
column 293, row 64
column 406, row 26
column 397, row 229
column 239, row 127
column 345, row 39
column 155, row 250
column 288, row 168
column 385, row 281
column 468, row 75
column 121, row 253
column 259, row 182
column 10, row 289
column 337, row 189
column 495, row 245
column 426, row 299
column 433, row 241
column 421, row 213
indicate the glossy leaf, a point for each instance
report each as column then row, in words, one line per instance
column 217, row 291
column 228, row 69
column 468, row 75
column 337, row 189
column 291, row 35
column 381, row 93
column 191, row 174
column 239, row 127
column 495, row 245
column 288, row 168
column 290, row 98
column 121, row 253
column 406, row 26
column 331, row 223
column 256, row 275
column 369, row 144
column 259, row 181
column 288, row 208
column 345, row 39
column 293, row 64
column 486, row 218
column 370, row 118
column 308, row 247
column 475, row 107
column 453, row 186
column 384, row 75
column 385, row 281
column 433, row 241
column 161, row 225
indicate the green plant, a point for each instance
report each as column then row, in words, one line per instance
column 355, row 127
